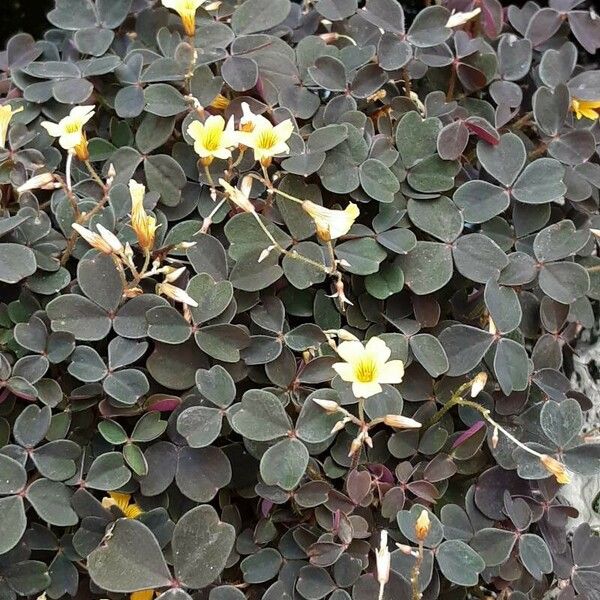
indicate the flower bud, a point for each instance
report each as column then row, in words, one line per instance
column 110, row 238
column 400, row 422
column 383, row 562
column 93, row 239
column 330, row 406
column 175, row 293
column 422, row 525
column 44, row 181
column 478, row 383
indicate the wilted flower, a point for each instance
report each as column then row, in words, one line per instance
column 422, row 525
column 478, row 383
column 123, row 502
column 220, row 102
column 267, row 140
column 239, row 196
column 367, row 367
column 556, row 468
column 104, row 241
column 460, row 18
column 383, row 561
column 143, row 224
column 6, row 114
column 585, row 108
column 186, row 9
column 339, row 293
column 69, row 130
column 400, row 422
column 331, row 224
column 213, row 138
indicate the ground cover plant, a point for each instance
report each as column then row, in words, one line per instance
column 288, row 295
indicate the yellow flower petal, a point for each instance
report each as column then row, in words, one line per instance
column 365, row 390
column 142, row 595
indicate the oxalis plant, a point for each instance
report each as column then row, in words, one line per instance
column 287, row 296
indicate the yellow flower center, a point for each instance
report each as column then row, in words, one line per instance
column 366, row 370
column 212, row 140
column 267, row 139
column 72, row 127
column 189, row 5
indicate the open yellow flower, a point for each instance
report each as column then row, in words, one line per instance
column 331, row 224
column 213, row 139
column 267, row 140
column 143, row 224
column 186, row 9
column 123, row 502
column 367, row 367
column 69, row 130
column 585, row 108
column 6, row 114
column 556, row 468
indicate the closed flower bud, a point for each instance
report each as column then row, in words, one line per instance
column 110, row 238
column 400, row 422
column 44, row 181
column 175, row 293
column 383, row 562
column 330, row 406
column 478, row 383
column 422, row 525
column 93, row 239
column 495, row 438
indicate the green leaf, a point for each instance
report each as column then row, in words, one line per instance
column 364, row 255
column 126, row 386
column 164, row 100
column 17, row 262
column 202, row 472
column 260, row 417
column 535, row 555
column 430, row 353
column 13, row 522
column 130, row 559
column 478, row 258
column 200, row 538
column 217, row 385
column 200, row 425
column 108, row 472
column 459, row 563
column 387, row 281
column 51, row 500
column 212, row 297
column 427, row 268
column 416, row 138
column 77, row 315
column 541, row 182
column 134, row 458
column 284, row 464
column 13, row 476
column 504, row 160
column 259, row 15
column 564, row 281
column 561, row 422
column 378, row 181
column 223, row 342
column 438, row 217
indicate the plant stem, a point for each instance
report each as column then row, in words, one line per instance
column 416, row 571
column 68, row 172
column 451, row 84
column 94, row 175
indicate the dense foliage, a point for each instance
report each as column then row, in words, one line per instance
column 286, row 295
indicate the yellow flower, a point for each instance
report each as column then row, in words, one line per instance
column 144, row 225
column 142, row 595
column 6, row 114
column 367, row 367
column 585, row 108
column 239, row 196
column 123, row 502
column 212, row 139
column 556, row 468
column 186, row 9
column 267, row 140
column 422, row 525
column 331, row 224
column 69, row 130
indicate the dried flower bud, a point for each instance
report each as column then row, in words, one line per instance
column 340, row 425
column 173, row 274
column 492, row 326
column 329, row 37
column 595, row 232
column 556, row 468
column 478, row 383
column 405, row 549
column 422, row 525
column 400, row 422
